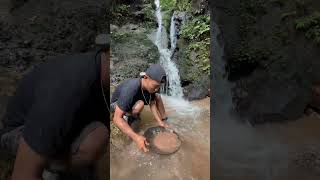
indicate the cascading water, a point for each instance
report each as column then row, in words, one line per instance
column 173, row 35
column 172, row 92
column 173, row 77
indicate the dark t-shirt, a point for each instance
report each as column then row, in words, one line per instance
column 129, row 92
column 57, row 100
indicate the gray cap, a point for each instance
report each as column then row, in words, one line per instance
column 157, row 73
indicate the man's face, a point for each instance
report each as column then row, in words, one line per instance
column 152, row 86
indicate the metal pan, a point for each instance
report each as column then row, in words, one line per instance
column 152, row 132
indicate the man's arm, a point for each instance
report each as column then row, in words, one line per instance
column 156, row 114
column 122, row 124
column 28, row 164
column 125, row 128
column 155, row 111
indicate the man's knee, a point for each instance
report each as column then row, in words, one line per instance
column 93, row 146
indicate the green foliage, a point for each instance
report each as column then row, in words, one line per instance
column 250, row 55
column 167, row 5
column 310, row 25
column 167, row 8
column 285, row 16
column 202, row 60
column 197, row 34
column 281, row 34
column 308, row 22
column 121, row 13
column 250, row 11
column 148, row 12
column 197, row 29
column 120, row 36
column 183, row 5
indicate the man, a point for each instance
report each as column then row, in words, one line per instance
column 58, row 117
column 129, row 99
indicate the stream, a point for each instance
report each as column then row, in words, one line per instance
column 190, row 162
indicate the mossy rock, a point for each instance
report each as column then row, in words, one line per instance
column 126, row 46
column 133, row 52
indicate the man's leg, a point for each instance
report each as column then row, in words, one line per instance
column 160, row 106
column 91, row 145
column 136, row 109
column 133, row 117
column 87, row 149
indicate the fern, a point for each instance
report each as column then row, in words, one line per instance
column 310, row 25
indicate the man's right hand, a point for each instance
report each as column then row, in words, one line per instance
column 141, row 142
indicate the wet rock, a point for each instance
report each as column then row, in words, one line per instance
column 197, row 90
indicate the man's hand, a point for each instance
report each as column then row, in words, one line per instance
column 163, row 124
column 141, row 142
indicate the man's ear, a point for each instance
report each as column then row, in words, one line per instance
column 146, row 76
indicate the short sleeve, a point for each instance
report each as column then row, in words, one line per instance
column 125, row 100
column 50, row 121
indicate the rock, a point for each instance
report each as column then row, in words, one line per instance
column 114, row 28
column 199, row 6
column 197, row 90
column 128, row 69
column 132, row 51
column 192, row 92
column 283, row 87
column 139, row 16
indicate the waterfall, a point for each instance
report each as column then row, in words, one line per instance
column 173, row 77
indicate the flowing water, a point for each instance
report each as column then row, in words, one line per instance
column 190, row 162
column 265, row 152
